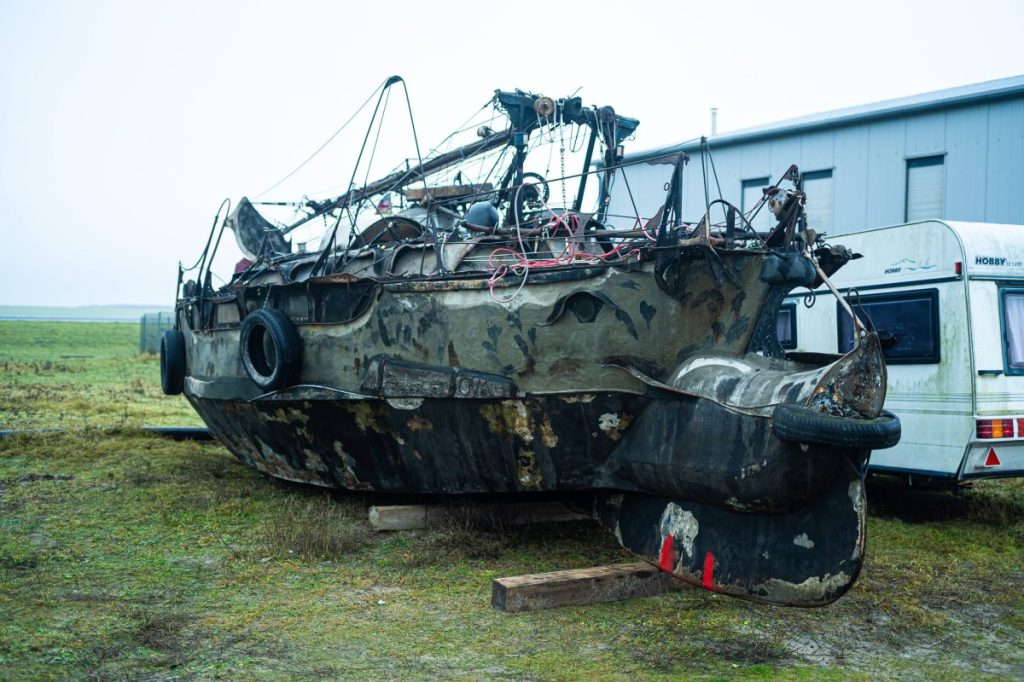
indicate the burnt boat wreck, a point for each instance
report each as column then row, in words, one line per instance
column 483, row 337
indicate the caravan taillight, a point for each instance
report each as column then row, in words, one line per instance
column 994, row 428
column 959, row 267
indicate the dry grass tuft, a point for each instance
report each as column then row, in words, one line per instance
column 317, row 528
column 163, row 632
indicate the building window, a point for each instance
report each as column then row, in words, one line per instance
column 911, row 318
column 1013, row 330
column 785, row 326
column 752, row 193
column 926, row 181
column 817, row 185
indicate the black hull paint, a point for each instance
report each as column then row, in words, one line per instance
column 807, row 557
column 677, row 447
column 782, row 523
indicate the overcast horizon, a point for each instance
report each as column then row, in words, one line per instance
column 124, row 124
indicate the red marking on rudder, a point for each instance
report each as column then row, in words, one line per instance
column 668, row 555
column 709, row 571
column 993, row 459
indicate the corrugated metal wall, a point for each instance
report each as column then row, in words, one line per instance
column 982, row 144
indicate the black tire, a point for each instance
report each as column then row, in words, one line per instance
column 800, row 424
column 172, row 362
column 271, row 349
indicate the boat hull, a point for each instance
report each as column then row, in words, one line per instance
column 431, row 388
column 710, row 496
column 690, row 448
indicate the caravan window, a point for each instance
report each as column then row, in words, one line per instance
column 785, row 326
column 1013, row 329
column 912, row 317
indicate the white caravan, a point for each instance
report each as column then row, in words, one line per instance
column 952, row 296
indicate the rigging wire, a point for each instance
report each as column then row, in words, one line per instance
column 463, row 127
column 704, row 174
column 419, row 157
column 373, row 153
column 412, row 124
column 329, row 244
column 216, row 218
column 352, row 181
column 326, row 142
column 711, row 158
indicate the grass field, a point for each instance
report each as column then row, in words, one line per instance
column 81, row 375
column 124, row 556
column 90, row 313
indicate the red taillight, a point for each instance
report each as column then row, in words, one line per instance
column 959, row 267
column 994, row 428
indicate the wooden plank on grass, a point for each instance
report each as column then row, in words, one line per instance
column 413, row 516
column 580, row 586
column 402, row 516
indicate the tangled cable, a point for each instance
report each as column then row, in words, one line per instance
column 567, row 222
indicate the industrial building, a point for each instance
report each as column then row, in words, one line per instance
column 955, row 154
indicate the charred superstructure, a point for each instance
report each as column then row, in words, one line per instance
column 486, row 339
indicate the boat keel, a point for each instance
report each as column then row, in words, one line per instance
column 805, row 557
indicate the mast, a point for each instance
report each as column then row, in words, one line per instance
column 405, row 177
column 526, row 113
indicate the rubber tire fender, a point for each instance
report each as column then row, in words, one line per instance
column 800, row 424
column 172, row 362
column 271, row 349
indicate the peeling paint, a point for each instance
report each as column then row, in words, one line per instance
column 734, row 503
column 419, row 424
column 508, row 415
column 613, row 424
column 803, row 541
column 288, row 416
column 365, row 418
column 313, row 460
column 548, row 438
column 528, row 472
column 814, row 589
column 270, row 461
column 577, row 398
column 856, row 493
column 352, row 482
column 681, row 525
column 752, row 469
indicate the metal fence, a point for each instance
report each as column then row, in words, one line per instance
column 151, row 328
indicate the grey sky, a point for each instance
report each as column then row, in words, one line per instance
column 124, row 124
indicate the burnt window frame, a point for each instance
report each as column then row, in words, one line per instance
column 932, row 295
column 791, row 307
column 1004, row 290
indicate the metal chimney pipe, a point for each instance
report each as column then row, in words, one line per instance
column 714, row 121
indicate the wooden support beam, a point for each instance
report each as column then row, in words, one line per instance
column 580, row 586
column 413, row 516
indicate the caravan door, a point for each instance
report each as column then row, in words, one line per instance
column 996, row 289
